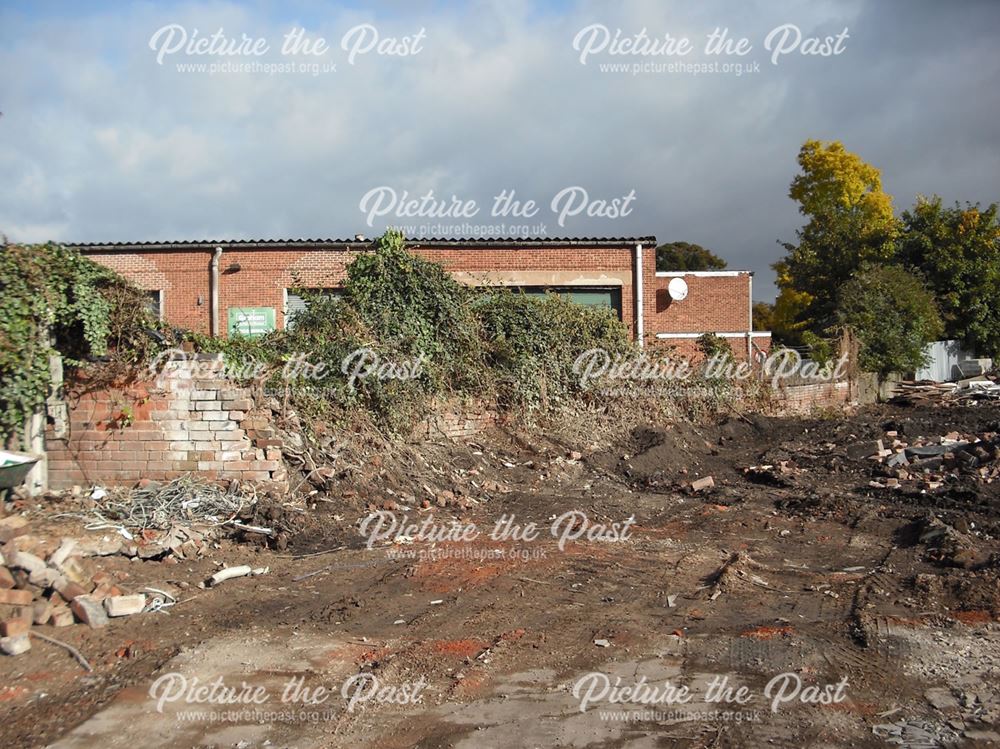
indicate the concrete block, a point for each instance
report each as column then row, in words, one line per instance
column 125, row 605
column 15, row 645
column 89, row 611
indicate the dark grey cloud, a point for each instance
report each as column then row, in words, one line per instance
column 98, row 142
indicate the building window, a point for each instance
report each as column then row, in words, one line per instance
column 296, row 301
column 610, row 296
column 154, row 303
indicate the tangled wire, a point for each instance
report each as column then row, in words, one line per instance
column 182, row 500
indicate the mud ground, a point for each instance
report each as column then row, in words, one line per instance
column 807, row 571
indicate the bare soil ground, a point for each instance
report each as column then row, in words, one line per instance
column 803, row 568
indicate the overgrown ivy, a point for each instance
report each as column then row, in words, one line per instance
column 499, row 344
column 532, row 344
column 54, row 300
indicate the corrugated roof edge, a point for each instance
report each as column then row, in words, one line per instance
column 355, row 243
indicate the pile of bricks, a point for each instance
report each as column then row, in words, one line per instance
column 54, row 589
column 164, row 429
column 930, row 462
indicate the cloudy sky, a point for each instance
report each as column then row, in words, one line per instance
column 111, row 132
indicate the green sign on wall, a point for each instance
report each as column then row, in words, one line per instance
column 250, row 321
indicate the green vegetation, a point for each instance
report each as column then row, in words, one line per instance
column 515, row 349
column 763, row 316
column 957, row 250
column 710, row 345
column 532, row 343
column 850, row 223
column 893, row 314
column 56, row 301
column 854, row 247
column 687, row 256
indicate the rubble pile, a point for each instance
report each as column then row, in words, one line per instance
column 55, row 587
column 929, row 462
column 42, row 583
column 930, row 392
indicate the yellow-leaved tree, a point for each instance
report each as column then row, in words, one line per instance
column 850, row 223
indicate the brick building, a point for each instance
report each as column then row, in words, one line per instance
column 249, row 286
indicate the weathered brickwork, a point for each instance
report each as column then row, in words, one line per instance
column 258, row 277
column 456, row 421
column 804, row 399
column 161, row 430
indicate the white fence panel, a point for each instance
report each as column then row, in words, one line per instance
column 943, row 364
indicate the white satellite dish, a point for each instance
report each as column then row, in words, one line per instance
column 678, row 289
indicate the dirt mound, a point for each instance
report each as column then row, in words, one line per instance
column 666, row 457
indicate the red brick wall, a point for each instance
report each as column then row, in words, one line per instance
column 265, row 273
column 803, row 399
column 202, row 426
column 714, row 303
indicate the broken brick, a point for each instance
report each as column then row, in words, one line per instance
column 60, row 555
column 16, row 597
column 61, row 617
column 45, row 578
column 27, row 562
column 72, row 569
column 702, row 484
column 12, row 527
column 14, row 627
column 864, row 449
column 70, row 590
column 125, row 605
column 105, row 590
column 89, row 611
column 41, row 611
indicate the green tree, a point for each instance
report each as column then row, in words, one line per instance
column 893, row 315
column 763, row 316
column 850, row 223
column 957, row 250
column 687, row 256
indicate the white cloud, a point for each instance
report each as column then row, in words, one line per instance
column 98, row 142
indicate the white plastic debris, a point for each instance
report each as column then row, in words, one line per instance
column 229, row 573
